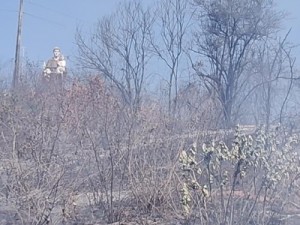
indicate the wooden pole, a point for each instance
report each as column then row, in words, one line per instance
column 16, row 75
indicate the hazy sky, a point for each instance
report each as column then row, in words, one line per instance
column 49, row 23
column 291, row 7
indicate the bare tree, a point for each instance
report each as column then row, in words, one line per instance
column 120, row 49
column 273, row 75
column 174, row 20
column 226, row 41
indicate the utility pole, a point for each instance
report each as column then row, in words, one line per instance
column 16, row 75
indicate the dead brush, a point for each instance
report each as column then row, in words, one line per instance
column 242, row 182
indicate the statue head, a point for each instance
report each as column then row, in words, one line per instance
column 56, row 52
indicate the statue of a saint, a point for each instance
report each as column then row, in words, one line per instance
column 56, row 65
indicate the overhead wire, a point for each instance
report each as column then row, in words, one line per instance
column 42, row 18
column 61, row 13
column 8, row 10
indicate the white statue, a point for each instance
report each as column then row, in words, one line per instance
column 55, row 65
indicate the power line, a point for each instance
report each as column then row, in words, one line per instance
column 42, row 18
column 57, row 11
column 8, row 10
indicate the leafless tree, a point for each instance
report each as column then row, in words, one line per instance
column 119, row 50
column 225, row 44
column 174, row 19
column 272, row 80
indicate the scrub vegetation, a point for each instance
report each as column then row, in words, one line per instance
column 185, row 112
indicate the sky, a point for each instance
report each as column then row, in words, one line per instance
column 292, row 21
column 46, row 24
column 50, row 23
